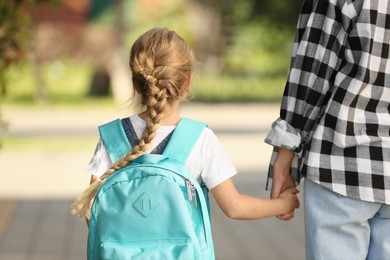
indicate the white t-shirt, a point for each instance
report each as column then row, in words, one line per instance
column 208, row 161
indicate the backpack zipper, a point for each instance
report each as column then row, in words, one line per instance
column 191, row 191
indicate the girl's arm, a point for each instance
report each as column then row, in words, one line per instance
column 244, row 207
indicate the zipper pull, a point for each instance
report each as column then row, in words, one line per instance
column 193, row 193
column 189, row 187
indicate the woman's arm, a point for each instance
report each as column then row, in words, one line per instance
column 282, row 178
column 240, row 206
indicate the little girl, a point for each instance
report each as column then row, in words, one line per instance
column 162, row 64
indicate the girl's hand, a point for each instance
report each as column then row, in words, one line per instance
column 291, row 202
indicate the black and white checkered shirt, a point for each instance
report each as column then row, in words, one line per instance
column 335, row 112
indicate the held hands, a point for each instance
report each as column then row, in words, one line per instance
column 289, row 196
column 283, row 184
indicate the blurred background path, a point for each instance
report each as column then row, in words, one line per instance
column 37, row 185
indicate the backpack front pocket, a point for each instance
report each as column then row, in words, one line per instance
column 153, row 249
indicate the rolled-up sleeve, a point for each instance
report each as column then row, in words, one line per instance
column 284, row 135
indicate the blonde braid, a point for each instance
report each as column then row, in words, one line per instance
column 155, row 108
column 160, row 62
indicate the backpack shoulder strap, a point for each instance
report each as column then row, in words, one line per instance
column 183, row 139
column 179, row 147
column 114, row 139
column 133, row 139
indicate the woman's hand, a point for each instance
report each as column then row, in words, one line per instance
column 282, row 179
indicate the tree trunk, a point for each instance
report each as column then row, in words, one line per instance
column 119, row 71
column 41, row 93
column 210, row 33
column 100, row 83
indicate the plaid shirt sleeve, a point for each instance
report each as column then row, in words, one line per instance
column 335, row 111
column 319, row 42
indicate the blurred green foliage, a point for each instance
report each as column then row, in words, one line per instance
column 15, row 30
column 228, row 88
column 260, row 48
column 255, row 59
column 170, row 14
column 67, row 82
column 15, row 33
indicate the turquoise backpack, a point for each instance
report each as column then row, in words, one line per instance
column 153, row 208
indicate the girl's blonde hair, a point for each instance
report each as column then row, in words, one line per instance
column 161, row 64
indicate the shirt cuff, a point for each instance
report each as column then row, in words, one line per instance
column 284, row 135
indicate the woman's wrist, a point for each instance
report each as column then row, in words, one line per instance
column 283, row 161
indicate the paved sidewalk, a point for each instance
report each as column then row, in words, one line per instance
column 38, row 185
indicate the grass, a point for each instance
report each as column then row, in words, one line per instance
column 66, row 83
column 48, row 144
column 225, row 88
